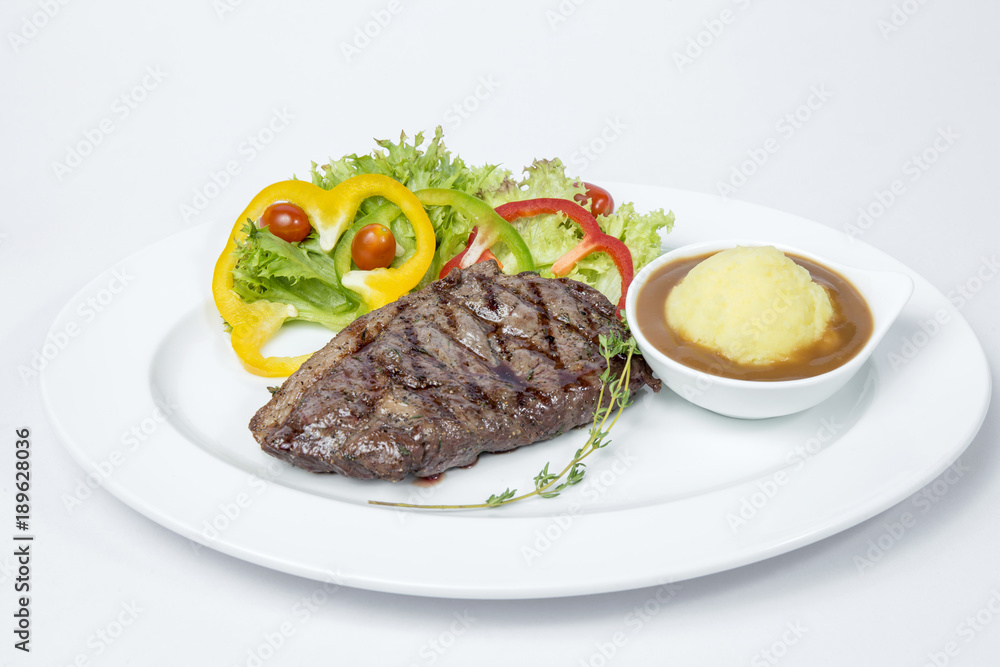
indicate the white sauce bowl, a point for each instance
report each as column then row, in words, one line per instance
column 885, row 292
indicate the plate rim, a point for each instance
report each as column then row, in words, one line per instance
column 243, row 544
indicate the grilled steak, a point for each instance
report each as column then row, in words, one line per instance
column 477, row 362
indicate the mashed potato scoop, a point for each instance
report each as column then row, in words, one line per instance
column 753, row 305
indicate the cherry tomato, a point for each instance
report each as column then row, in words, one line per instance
column 373, row 247
column 601, row 202
column 286, row 221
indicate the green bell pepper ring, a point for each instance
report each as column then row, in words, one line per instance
column 491, row 228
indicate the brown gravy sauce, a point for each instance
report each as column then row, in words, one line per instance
column 849, row 329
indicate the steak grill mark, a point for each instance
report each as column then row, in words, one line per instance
column 476, row 362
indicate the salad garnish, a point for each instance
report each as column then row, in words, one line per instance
column 298, row 251
column 594, row 240
column 253, row 322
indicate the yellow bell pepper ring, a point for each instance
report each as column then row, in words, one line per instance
column 379, row 287
column 330, row 212
column 254, row 323
column 249, row 336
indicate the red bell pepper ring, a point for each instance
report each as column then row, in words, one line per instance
column 594, row 240
column 456, row 261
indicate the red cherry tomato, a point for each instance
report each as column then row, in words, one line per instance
column 373, row 247
column 601, row 202
column 286, row 221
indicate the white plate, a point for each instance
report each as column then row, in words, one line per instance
column 681, row 492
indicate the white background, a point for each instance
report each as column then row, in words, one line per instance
column 885, row 79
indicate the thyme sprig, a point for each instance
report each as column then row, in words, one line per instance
column 551, row 484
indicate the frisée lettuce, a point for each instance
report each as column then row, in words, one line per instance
column 302, row 275
column 551, row 236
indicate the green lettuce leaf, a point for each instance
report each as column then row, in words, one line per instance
column 299, row 274
column 304, row 276
column 551, row 236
